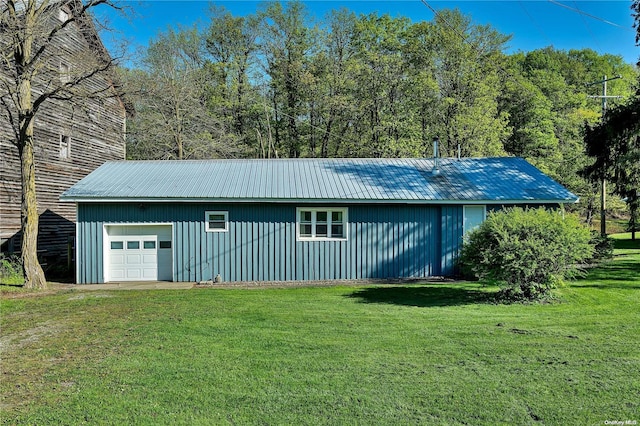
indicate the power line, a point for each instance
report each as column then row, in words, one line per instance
column 597, row 18
column 535, row 24
column 584, row 21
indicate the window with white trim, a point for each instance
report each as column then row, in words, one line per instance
column 473, row 216
column 217, row 221
column 65, row 147
column 321, row 223
column 65, row 72
column 63, row 15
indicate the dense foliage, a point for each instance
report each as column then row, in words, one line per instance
column 279, row 84
column 526, row 251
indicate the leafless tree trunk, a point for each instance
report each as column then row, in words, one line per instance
column 27, row 28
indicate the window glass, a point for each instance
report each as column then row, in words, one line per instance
column 305, row 230
column 133, row 245
column 216, row 221
column 165, row 244
column 65, row 146
column 149, row 244
column 322, row 224
column 117, row 245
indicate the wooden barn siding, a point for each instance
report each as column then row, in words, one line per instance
column 383, row 242
column 96, row 128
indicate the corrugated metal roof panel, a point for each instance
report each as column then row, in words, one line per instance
column 392, row 180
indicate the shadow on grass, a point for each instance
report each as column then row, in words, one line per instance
column 622, row 272
column 627, row 244
column 424, row 297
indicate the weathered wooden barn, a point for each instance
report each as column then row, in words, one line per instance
column 293, row 219
column 72, row 138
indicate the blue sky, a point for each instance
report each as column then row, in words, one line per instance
column 604, row 26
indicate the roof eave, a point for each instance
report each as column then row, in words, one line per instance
column 311, row 200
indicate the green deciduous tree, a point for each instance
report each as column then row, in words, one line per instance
column 173, row 120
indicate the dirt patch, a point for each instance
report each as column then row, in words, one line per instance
column 17, row 341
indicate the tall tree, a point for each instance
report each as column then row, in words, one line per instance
column 231, row 45
column 286, row 46
column 466, row 113
column 614, row 144
column 172, row 120
column 31, row 76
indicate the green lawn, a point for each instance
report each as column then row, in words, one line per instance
column 425, row 354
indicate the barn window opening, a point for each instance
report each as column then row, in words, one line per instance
column 65, row 72
column 217, row 221
column 65, row 147
column 321, row 224
column 63, row 15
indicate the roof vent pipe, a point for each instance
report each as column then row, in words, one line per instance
column 436, row 154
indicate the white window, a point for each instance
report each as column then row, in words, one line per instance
column 216, row 221
column 321, row 223
column 63, row 16
column 473, row 217
column 65, row 147
column 65, row 72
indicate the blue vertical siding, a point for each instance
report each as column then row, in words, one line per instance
column 384, row 241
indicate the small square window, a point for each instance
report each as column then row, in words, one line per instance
column 65, row 147
column 117, row 245
column 217, row 221
column 133, row 245
column 149, row 245
column 165, row 244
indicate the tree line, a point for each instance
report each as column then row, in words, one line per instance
column 278, row 84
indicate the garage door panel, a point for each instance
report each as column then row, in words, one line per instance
column 133, row 274
column 117, row 274
column 133, row 260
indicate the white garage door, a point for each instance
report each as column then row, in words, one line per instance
column 134, row 258
column 138, row 253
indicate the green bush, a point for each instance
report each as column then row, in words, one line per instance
column 10, row 270
column 602, row 246
column 526, row 252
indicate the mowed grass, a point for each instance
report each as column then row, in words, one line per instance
column 418, row 354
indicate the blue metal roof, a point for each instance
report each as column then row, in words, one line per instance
column 469, row 180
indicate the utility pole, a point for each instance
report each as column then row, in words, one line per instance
column 603, row 182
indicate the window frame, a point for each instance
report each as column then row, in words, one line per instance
column 328, row 223
column 63, row 15
column 65, row 72
column 65, row 147
column 465, row 226
column 207, row 220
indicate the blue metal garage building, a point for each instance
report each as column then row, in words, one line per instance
column 291, row 219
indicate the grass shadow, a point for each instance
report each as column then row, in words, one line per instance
column 423, row 296
column 626, row 244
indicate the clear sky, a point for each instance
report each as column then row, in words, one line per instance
column 604, row 26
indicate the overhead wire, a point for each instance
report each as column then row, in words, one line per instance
column 597, row 18
column 584, row 21
column 535, row 24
